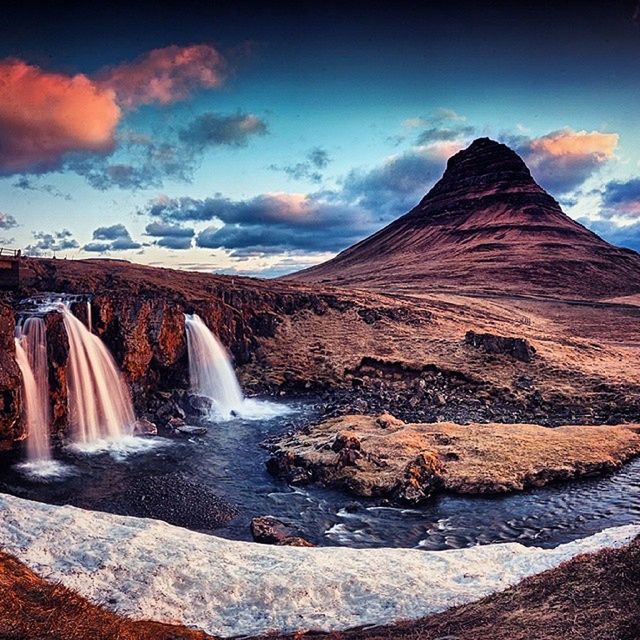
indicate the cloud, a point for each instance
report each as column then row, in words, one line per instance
column 170, row 236
column 7, row 221
column 164, row 76
column 215, row 129
column 44, row 116
column 441, row 125
column 268, row 223
column 26, row 184
column 621, row 198
column 310, row 169
column 562, row 160
column 400, row 182
column 158, row 229
column 51, row 242
column 148, row 164
column 172, row 242
column 620, row 235
column 113, row 238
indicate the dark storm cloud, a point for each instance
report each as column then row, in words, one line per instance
column 215, row 129
column 51, row 242
column 113, row 238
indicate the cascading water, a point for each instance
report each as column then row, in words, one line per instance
column 99, row 402
column 210, row 370
column 211, row 374
column 89, row 322
column 31, row 356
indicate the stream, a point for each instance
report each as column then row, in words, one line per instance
column 228, row 462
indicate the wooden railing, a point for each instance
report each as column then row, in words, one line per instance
column 10, row 253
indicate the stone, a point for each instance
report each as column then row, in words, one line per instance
column 518, row 348
column 191, row 430
column 270, row 530
column 144, row 427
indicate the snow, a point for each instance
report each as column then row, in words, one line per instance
column 148, row 569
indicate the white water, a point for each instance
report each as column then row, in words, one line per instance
column 100, row 406
column 211, row 374
column 89, row 323
column 31, row 356
column 210, row 371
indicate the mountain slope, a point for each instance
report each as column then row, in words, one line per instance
column 485, row 226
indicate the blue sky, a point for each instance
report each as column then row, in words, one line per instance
column 259, row 139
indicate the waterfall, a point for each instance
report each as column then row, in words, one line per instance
column 99, row 402
column 210, row 371
column 31, row 356
column 89, row 321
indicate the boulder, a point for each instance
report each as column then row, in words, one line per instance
column 517, row 348
column 144, row 427
column 269, row 530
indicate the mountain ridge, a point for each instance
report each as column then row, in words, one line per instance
column 485, row 225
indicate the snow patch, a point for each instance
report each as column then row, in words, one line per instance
column 148, row 569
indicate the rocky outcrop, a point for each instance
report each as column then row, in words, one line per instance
column 486, row 226
column 269, row 530
column 407, row 463
column 11, row 425
column 517, row 348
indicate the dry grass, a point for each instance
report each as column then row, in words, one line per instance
column 33, row 609
column 474, row 458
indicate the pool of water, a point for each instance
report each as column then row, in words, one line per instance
column 229, row 461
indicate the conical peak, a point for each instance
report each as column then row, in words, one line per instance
column 485, row 167
column 486, row 157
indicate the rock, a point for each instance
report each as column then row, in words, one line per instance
column 144, row 427
column 176, row 423
column 191, row 430
column 518, row 348
column 199, row 404
column 269, row 530
column 422, row 478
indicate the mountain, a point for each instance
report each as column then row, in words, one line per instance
column 486, row 226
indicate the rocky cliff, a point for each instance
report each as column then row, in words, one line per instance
column 11, row 427
column 486, row 226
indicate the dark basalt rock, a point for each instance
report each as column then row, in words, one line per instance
column 517, row 348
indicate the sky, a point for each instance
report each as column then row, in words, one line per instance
column 257, row 139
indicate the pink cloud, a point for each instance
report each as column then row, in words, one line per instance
column 45, row 115
column 562, row 160
column 165, row 75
